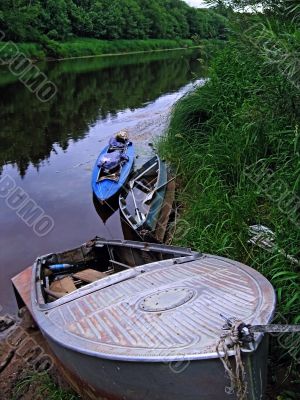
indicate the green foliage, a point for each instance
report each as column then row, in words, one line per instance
column 31, row 50
column 40, row 20
column 235, row 142
column 54, row 19
column 19, row 21
column 88, row 47
column 42, row 386
column 81, row 47
column 284, row 9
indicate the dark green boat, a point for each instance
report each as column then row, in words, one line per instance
column 143, row 197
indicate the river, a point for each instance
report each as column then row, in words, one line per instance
column 48, row 149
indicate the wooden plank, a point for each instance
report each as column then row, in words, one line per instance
column 89, row 275
column 22, row 287
column 64, row 285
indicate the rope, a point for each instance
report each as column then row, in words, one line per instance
column 275, row 328
column 231, row 341
column 236, row 335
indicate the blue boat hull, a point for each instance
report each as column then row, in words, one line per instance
column 107, row 188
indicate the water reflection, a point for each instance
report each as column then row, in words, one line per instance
column 49, row 149
column 106, row 210
column 88, row 91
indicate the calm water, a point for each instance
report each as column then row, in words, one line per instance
column 49, row 148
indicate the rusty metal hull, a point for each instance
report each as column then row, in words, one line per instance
column 177, row 380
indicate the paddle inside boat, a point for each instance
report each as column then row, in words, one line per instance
column 113, row 167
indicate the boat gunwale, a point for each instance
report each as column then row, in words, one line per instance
column 153, row 359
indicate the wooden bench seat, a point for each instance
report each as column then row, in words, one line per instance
column 89, row 275
column 63, row 286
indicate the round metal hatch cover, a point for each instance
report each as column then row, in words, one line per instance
column 166, row 299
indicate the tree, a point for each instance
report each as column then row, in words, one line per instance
column 55, row 20
column 19, row 20
column 44, row 20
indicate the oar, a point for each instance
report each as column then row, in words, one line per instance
column 137, row 211
column 149, row 196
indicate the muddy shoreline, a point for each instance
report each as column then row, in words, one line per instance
column 26, row 362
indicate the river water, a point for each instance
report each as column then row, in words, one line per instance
column 49, row 149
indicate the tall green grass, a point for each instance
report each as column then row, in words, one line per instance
column 9, row 50
column 87, row 47
column 42, row 386
column 81, row 47
column 241, row 125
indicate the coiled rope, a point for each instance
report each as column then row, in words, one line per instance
column 237, row 334
column 231, row 341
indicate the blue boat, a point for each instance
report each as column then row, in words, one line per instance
column 106, row 185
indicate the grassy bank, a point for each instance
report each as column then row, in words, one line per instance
column 235, row 143
column 88, row 47
column 41, row 385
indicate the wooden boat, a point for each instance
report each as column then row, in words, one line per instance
column 106, row 184
column 143, row 197
column 134, row 320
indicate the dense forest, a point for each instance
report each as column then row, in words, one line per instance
column 42, row 20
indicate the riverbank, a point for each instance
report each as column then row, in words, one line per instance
column 84, row 48
column 25, row 372
column 235, row 144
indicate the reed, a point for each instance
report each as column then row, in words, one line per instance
column 235, row 144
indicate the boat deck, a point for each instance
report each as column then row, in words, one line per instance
column 160, row 311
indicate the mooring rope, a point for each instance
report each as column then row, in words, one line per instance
column 236, row 335
column 231, row 341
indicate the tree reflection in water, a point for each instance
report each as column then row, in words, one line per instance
column 89, row 90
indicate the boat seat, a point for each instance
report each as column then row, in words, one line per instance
column 63, row 286
column 89, row 275
column 112, row 177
